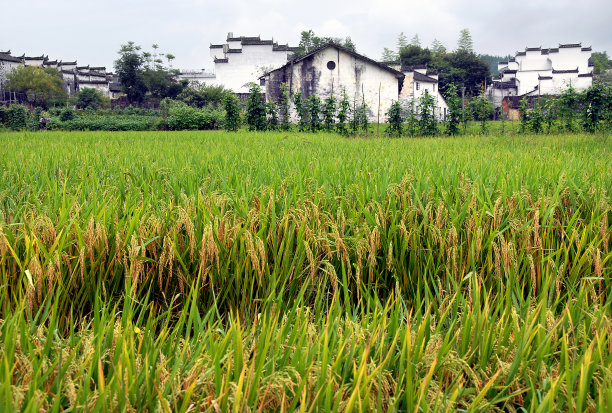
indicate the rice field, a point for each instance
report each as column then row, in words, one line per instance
column 213, row 271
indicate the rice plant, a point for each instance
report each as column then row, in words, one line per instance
column 272, row 272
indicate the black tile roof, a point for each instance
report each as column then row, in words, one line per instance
column 68, row 63
column 586, row 49
column 356, row 55
column 221, row 60
column 216, row 46
column 257, row 42
column 590, row 74
column 565, row 71
column 570, row 45
column 419, row 77
column 8, row 58
column 502, row 63
column 35, row 58
column 234, row 50
column 521, row 53
column 540, row 77
column 533, row 49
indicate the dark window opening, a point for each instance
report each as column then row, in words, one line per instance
column 331, row 65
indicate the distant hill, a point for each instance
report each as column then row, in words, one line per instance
column 492, row 61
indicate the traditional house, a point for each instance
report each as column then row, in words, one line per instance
column 336, row 69
column 7, row 64
column 538, row 71
column 241, row 60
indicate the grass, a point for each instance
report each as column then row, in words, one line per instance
column 281, row 272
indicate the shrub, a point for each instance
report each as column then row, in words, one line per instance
column 186, row 117
column 17, row 117
column 88, row 98
column 67, row 114
column 329, row 112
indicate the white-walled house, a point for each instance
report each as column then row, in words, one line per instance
column 333, row 68
column 7, row 64
column 538, row 71
column 417, row 81
column 242, row 60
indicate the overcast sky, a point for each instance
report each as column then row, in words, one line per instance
column 91, row 32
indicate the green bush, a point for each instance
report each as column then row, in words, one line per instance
column 67, row 114
column 106, row 123
column 186, row 117
column 17, row 117
column 2, row 115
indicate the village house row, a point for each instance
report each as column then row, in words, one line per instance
column 333, row 69
column 75, row 77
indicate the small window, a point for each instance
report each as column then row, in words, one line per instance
column 331, row 65
column 418, row 86
column 262, row 82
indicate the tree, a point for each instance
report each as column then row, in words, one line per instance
column 482, row 108
column 256, row 109
column 465, row 41
column 200, row 95
column 389, row 55
column 402, row 41
column 302, row 111
column 415, row 41
column 394, row 117
column 232, row 112
column 426, row 114
column 40, row 87
column 601, row 62
column 329, row 112
column 88, row 98
column 309, row 42
column 455, row 110
column 412, row 55
column 130, row 70
column 437, row 48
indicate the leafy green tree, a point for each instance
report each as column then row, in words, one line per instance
column 389, row 55
column 482, row 108
column 200, row 95
column 536, row 118
column 437, row 48
column 129, row 68
column 601, row 62
column 41, row 87
column 426, row 113
column 309, row 42
column 343, row 113
column 363, row 116
column 232, row 112
column 329, row 112
column 88, row 98
column 413, row 55
column 394, row 118
column 455, row 109
column 256, row 109
column 465, row 43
